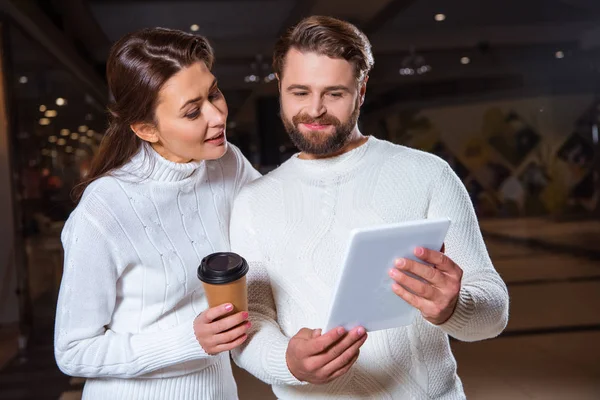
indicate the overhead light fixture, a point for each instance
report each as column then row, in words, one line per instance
column 45, row 152
column 61, row 142
column 83, row 129
column 465, row 60
column 44, row 121
column 90, row 133
column 414, row 64
column 52, row 139
column 74, row 136
column 50, row 113
column 69, row 149
column 43, row 108
column 23, row 79
column 65, row 132
column 83, row 139
column 270, row 78
column 559, row 54
column 440, row 17
column 194, row 28
column 60, row 101
column 260, row 71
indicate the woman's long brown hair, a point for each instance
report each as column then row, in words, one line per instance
column 138, row 66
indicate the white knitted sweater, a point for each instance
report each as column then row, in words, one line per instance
column 129, row 291
column 293, row 224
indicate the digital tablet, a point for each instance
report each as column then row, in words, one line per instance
column 363, row 295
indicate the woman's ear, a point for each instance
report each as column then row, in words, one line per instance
column 145, row 131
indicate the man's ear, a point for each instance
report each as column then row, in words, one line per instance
column 278, row 82
column 363, row 89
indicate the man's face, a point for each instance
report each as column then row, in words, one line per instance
column 320, row 101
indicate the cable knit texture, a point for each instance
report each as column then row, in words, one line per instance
column 293, row 225
column 129, row 292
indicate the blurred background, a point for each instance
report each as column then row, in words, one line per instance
column 508, row 92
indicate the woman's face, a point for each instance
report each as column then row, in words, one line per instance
column 191, row 116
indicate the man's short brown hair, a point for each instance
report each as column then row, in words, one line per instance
column 326, row 36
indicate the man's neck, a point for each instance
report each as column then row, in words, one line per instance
column 357, row 139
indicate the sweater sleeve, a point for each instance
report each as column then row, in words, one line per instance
column 482, row 308
column 263, row 354
column 83, row 345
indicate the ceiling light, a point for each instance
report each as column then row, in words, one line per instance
column 65, row 132
column 414, row 64
column 83, row 139
column 50, row 113
column 465, row 60
column 194, row 28
column 440, row 17
column 60, row 101
column 44, row 121
column 83, row 129
column 90, row 133
column 270, row 77
column 74, row 135
column 23, row 79
column 52, row 139
column 43, row 108
column 61, row 142
column 559, row 54
column 69, row 149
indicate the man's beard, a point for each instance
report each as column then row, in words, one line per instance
column 319, row 143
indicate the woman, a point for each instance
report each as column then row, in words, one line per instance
column 131, row 313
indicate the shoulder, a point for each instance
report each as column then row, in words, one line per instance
column 264, row 193
column 233, row 159
column 98, row 207
column 402, row 158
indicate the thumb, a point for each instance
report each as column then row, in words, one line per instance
column 304, row 333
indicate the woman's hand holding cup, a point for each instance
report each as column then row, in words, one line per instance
column 216, row 332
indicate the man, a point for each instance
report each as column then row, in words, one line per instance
column 292, row 225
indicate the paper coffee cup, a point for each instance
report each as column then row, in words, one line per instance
column 223, row 277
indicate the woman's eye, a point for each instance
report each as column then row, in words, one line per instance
column 193, row 114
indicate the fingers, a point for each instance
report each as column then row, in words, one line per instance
column 344, row 369
column 232, row 334
column 419, row 288
column 430, row 274
column 413, row 300
column 216, row 312
column 231, row 345
column 316, row 333
column 323, row 342
column 346, row 358
column 336, row 350
column 227, row 323
column 437, row 258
